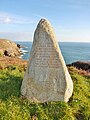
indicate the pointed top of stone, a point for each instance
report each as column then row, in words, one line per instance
column 45, row 24
column 44, row 28
column 44, row 21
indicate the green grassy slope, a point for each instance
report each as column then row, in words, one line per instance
column 15, row 107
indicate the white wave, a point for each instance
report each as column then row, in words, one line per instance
column 24, row 51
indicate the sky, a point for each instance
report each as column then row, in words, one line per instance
column 69, row 18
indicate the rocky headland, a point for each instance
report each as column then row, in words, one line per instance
column 9, row 48
column 82, row 67
column 9, row 54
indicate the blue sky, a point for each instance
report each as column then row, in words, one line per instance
column 69, row 18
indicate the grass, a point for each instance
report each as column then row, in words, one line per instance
column 14, row 107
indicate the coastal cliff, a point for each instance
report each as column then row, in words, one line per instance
column 81, row 65
column 9, row 48
column 9, row 55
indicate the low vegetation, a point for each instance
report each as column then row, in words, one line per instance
column 15, row 107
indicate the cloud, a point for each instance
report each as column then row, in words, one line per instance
column 7, row 18
column 72, row 34
column 63, row 35
column 17, row 36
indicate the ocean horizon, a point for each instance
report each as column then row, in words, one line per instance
column 71, row 51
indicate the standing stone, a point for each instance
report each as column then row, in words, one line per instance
column 46, row 78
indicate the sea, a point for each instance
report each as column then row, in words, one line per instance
column 71, row 51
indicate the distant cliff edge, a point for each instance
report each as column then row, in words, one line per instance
column 81, row 65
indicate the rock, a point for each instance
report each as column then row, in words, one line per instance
column 46, row 78
column 81, row 65
column 19, row 46
column 6, row 53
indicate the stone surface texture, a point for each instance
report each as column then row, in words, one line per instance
column 46, row 78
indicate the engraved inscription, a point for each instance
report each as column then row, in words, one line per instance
column 46, row 57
